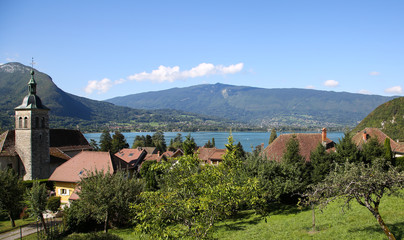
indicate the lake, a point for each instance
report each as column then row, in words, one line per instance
column 248, row 139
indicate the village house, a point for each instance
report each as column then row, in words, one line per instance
column 366, row 134
column 134, row 157
column 211, row 156
column 67, row 175
column 307, row 143
column 32, row 149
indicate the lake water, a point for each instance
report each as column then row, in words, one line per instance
column 247, row 139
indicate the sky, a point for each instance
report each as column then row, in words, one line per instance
column 104, row 49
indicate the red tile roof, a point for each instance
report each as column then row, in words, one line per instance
column 307, row 143
column 207, row 155
column 129, row 155
column 75, row 168
column 358, row 139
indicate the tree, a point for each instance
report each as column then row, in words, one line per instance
column 371, row 150
column 347, row 150
column 273, row 136
column 118, row 142
column 176, row 143
column 11, row 193
column 365, row 183
column 208, row 144
column 105, row 196
column 159, row 142
column 213, row 142
column 36, row 198
column 321, row 163
column 105, row 141
column 189, row 145
column 388, row 155
column 94, row 145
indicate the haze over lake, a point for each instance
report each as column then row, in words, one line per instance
column 247, row 139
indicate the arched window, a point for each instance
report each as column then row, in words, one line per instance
column 37, row 122
column 20, row 122
column 43, row 123
column 26, row 122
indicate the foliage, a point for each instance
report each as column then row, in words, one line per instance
column 189, row 145
column 105, row 196
column 321, row 163
column 159, row 142
column 118, row 142
column 105, row 141
column 273, row 136
column 372, row 150
column 11, row 192
column 150, row 173
column 143, row 141
column 346, row 150
column 365, row 183
column 92, row 236
column 53, row 203
column 94, row 145
column 36, row 197
column 388, row 155
column 176, row 143
column 210, row 144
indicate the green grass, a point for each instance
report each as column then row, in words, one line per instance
column 5, row 225
column 332, row 223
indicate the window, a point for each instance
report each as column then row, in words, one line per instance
column 25, row 122
column 63, row 192
column 43, row 123
column 37, row 122
column 20, row 122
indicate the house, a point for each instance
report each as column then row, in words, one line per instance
column 32, row 149
column 307, row 143
column 134, row 157
column 366, row 134
column 212, row 156
column 67, row 175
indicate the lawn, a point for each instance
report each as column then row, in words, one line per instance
column 6, row 225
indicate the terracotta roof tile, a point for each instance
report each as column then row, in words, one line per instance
column 131, row 156
column 359, row 140
column 307, row 143
column 75, row 168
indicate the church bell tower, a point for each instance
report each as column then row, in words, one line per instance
column 32, row 134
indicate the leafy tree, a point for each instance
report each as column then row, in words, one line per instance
column 273, row 136
column 388, row 155
column 321, row 163
column 105, row 141
column 53, row 203
column 176, row 143
column 94, row 145
column 189, row 145
column 347, row 150
column 11, row 193
column 362, row 182
column 371, row 150
column 105, row 196
column 150, row 173
column 118, row 142
column 159, row 142
column 36, row 198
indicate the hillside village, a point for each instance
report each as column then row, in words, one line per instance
column 63, row 156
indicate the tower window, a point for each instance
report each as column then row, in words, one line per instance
column 25, row 122
column 43, row 123
column 36, row 122
column 20, row 122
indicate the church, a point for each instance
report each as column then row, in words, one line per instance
column 32, row 149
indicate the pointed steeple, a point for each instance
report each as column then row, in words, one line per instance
column 32, row 84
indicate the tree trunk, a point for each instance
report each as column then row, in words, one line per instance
column 11, row 219
column 106, row 223
column 44, row 224
column 386, row 230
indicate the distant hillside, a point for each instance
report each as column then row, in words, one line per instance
column 267, row 107
column 69, row 111
column 389, row 117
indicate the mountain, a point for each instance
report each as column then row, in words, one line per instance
column 389, row 117
column 268, row 107
column 70, row 111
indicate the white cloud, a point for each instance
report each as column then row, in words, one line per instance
column 394, row 90
column 171, row 74
column 331, row 83
column 101, row 86
column 374, row 73
column 165, row 74
column 310, row 87
column 364, row 91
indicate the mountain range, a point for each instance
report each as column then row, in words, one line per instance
column 70, row 111
column 259, row 106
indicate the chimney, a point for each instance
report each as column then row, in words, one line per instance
column 323, row 134
column 365, row 136
column 158, row 153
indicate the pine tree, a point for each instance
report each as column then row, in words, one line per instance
column 273, row 136
column 105, row 141
column 118, row 142
column 388, row 155
column 189, row 145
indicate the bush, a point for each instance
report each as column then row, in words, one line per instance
column 92, row 236
column 399, row 163
column 53, row 203
column 28, row 183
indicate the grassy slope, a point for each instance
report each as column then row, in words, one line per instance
column 391, row 114
column 290, row 223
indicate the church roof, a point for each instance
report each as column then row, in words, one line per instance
column 31, row 101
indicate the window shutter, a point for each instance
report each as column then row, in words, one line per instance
column 59, row 191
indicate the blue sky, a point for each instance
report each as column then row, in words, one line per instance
column 103, row 49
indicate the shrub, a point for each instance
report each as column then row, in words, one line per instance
column 53, row 203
